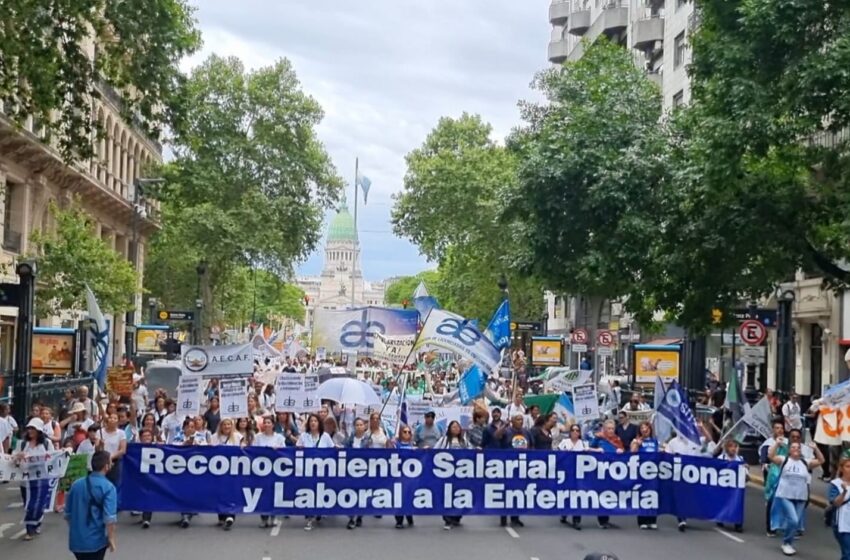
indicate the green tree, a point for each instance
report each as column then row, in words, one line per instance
column 588, row 204
column 250, row 181
column 48, row 69
column 450, row 207
column 70, row 257
column 259, row 295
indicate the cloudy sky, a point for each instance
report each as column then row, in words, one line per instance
column 385, row 71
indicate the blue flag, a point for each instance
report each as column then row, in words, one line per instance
column 99, row 332
column 471, row 384
column 499, row 329
column 423, row 302
column 676, row 409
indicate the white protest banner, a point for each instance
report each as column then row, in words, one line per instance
column 564, row 379
column 458, row 335
column 262, row 348
column 189, row 395
column 585, row 402
column 217, row 360
column 444, row 415
column 296, row 393
column 416, row 409
column 837, row 396
column 758, row 418
column 233, row 398
column 638, row 417
column 34, row 467
column 392, row 349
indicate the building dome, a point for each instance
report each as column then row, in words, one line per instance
column 341, row 228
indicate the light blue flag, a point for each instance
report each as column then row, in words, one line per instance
column 99, row 331
column 565, row 410
column 364, row 183
column 424, row 303
column 471, row 385
column 661, row 425
column 676, row 409
column 499, row 329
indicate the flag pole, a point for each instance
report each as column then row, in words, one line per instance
column 356, row 238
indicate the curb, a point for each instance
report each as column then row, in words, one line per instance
column 819, row 501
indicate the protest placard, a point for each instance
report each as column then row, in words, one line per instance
column 189, row 395
column 586, row 402
column 78, row 467
column 119, row 380
column 234, row 398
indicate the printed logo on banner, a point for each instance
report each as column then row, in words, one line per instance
column 459, row 329
column 196, row 359
column 233, row 398
column 189, row 395
column 361, row 332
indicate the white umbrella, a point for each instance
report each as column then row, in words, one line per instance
column 346, row 390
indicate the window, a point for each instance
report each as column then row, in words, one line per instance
column 679, row 50
column 679, row 99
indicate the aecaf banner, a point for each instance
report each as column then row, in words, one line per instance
column 293, row 481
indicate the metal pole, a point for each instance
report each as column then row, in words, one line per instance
column 356, row 239
column 129, row 348
column 23, row 342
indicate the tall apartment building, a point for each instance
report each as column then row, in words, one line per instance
column 656, row 31
column 32, row 175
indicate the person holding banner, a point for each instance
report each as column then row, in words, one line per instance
column 149, row 423
column 607, row 441
column 377, row 436
column 452, row 440
column 314, row 436
column 37, row 490
column 268, row 438
column 358, row 440
column 516, row 437
column 792, row 490
column 286, row 427
column 645, row 442
column 573, row 443
column 227, row 435
column 213, row 414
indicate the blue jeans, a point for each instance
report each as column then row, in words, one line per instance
column 844, row 542
column 790, row 512
column 38, row 494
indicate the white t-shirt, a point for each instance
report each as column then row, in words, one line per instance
column 307, row 440
column 112, row 440
column 72, row 427
column 379, row 439
column 140, row 399
column 794, row 480
column 235, row 439
column 792, row 413
column 275, row 440
column 5, row 431
column 86, row 447
column 514, row 409
column 570, row 445
column 842, row 513
column 681, row 446
column 171, row 425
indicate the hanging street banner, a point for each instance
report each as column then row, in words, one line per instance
column 290, row 481
column 563, row 379
column 454, row 333
column 296, row 393
column 263, row 349
column 34, row 467
column 353, row 330
column 217, row 360
column 392, row 349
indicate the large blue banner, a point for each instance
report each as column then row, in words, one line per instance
column 434, row 482
column 353, row 330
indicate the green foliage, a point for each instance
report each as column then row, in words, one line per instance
column 47, row 70
column 403, row 288
column 450, row 206
column 589, row 200
column 260, row 296
column 250, row 181
column 71, row 257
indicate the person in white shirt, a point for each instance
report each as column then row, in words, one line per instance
column 517, row 406
column 681, row 445
column 314, row 437
column 114, row 441
column 268, row 438
column 89, row 405
column 78, row 419
column 5, row 434
column 228, row 436
column 792, row 490
column 573, row 443
column 171, row 423
column 839, row 495
column 91, row 444
column 140, row 396
column 792, row 413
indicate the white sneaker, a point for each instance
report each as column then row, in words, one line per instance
column 644, row 527
column 309, row 526
column 653, row 526
column 228, row 523
column 788, row 550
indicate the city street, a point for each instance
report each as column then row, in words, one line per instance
column 478, row 539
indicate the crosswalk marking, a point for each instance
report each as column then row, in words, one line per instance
column 19, row 534
column 512, row 532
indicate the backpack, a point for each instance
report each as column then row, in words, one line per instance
column 830, row 514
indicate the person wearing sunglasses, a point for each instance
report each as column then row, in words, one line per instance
column 404, row 441
column 573, row 443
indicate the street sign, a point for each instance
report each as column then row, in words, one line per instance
column 166, row 315
column 753, row 354
column 752, row 332
column 605, row 338
column 526, row 326
column 579, row 336
column 578, row 348
column 604, row 351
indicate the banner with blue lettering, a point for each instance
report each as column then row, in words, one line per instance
column 353, row 330
column 428, row 482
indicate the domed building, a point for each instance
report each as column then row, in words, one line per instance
column 341, row 284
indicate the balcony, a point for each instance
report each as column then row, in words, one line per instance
column 579, row 22
column 558, row 51
column 12, row 241
column 613, row 19
column 655, row 77
column 559, row 12
column 646, row 32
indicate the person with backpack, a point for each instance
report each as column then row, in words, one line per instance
column 92, row 511
column 837, row 515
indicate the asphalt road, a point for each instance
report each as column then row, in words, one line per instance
column 479, row 538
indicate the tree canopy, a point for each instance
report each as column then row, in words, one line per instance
column 69, row 257
column 47, row 70
column 403, row 288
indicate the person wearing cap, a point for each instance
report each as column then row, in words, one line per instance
column 428, row 433
column 37, row 490
column 78, row 421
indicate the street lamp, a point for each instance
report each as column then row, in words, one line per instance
column 503, row 285
column 139, row 183
column 26, row 271
column 546, row 322
column 201, row 269
column 152, row 303
column 784, row 338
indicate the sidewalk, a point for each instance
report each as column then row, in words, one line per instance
column 818, row 490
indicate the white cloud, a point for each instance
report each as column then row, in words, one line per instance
column 385, row 71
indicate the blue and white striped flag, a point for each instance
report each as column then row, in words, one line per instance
column 99, row 331
column 364, row 183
